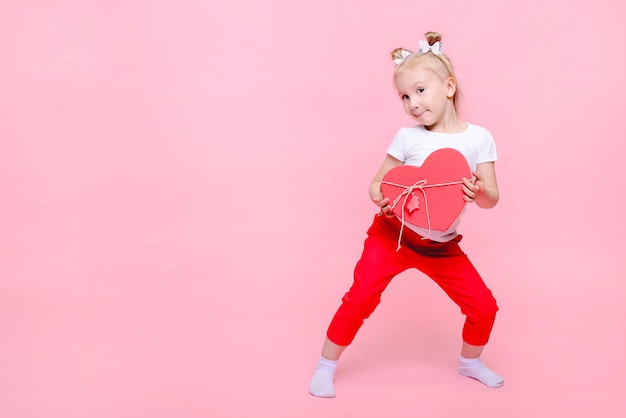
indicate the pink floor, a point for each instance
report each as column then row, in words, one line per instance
column 151, row 340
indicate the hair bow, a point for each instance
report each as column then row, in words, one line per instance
column 404, row 54
column 434, row 48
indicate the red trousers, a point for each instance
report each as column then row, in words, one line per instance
column 444, row 262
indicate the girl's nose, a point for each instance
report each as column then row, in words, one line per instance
column 414, row 102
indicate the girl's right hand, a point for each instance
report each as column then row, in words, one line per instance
column 375, row 193
column 383, row 204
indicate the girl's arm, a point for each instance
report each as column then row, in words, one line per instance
column 375, row 193
column 484, row 191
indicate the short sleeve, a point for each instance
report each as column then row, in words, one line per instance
column 397, row 148
column 487, row 149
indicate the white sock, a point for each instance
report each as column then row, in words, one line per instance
column 322, row 382
column 474, row 368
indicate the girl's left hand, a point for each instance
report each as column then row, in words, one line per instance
column 473, row 190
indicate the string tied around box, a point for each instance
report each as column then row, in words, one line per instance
column 408, row 192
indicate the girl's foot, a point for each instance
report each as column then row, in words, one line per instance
column 322, row 382
column 474, row 368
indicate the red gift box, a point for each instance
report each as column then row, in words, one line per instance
column 430, row 196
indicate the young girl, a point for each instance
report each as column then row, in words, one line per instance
column 427, row 87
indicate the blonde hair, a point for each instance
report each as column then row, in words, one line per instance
column 439, row 63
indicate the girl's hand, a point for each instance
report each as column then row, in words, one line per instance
column 383, row 204
column 473, row 190
column 375, row 193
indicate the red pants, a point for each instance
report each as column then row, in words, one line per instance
column 444, row 262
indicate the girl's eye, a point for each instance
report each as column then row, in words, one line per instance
column 420, row 89
column 405, row 97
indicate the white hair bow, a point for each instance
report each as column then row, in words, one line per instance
column 435, row 48
column 404, row 54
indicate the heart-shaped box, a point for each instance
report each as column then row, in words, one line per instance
column 430, row 196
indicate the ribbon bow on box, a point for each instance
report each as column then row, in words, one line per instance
column 430, row 196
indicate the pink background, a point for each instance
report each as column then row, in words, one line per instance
column 184, row 196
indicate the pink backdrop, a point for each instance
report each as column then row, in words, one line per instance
column 184, row 196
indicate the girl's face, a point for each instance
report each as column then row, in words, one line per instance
column 425, row 96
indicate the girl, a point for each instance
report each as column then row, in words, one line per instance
column 428, row 90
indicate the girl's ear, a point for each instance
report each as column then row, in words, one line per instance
column 450, row 87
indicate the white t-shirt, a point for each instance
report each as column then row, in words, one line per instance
column 413, row 145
